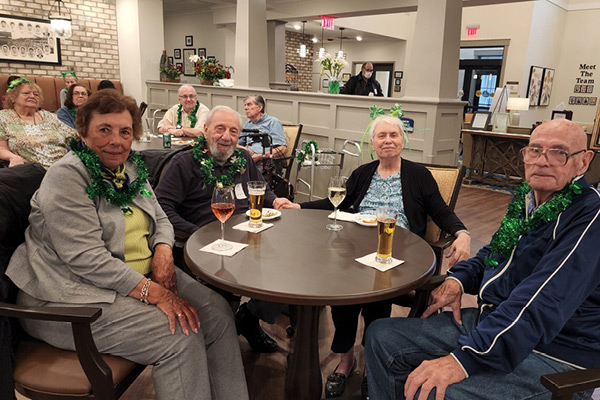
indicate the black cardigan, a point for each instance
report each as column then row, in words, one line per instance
column 420, row 196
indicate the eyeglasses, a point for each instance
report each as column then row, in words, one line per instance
column 555, row 157
column 83, row 94
column 188, row 96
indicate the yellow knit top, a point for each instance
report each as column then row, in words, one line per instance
column 137, row 251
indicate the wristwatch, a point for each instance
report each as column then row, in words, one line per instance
column 178, row 127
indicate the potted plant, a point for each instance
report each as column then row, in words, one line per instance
column 171, row 73
column 209, row 70
column 332, row 67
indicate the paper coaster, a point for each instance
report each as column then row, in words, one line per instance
column 369, row 260
column 236, row 247
column 245, row 226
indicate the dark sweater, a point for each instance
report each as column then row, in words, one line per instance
column 420, row 196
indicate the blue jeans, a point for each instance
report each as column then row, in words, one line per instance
column 396, row 346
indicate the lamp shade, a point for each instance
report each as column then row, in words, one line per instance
column 517, row 104
column 60, row 20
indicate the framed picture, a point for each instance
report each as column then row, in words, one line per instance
column 177, row 54
column 325, row 83
column 179, row 65
column 534, row 86
column 170, row 60
column 595, row 142
column 583, row 88
column 593, row 101
column 188, row 66
column 565, row 114
column 577, row 89
column 547, row 82
column 202, row 52
column 189, row 41
column 28, row 40
column 585, row 101
column 480, row 120
column 590, row 88
column 500, row 123
column 571, row 99
column 578, row 100
column 211, row 57
column 398, row 74
column 346, row 76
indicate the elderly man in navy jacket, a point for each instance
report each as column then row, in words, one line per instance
column 538, row 288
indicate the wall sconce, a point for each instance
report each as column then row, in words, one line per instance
column 303, row 46
column 341, row 52
column 60, row 20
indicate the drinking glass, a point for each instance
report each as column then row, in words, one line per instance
column 336, row 192
column 386, row 224
column 256, row 192
column 222, row 204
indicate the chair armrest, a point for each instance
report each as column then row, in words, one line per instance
column 564, row 384
column 443, row 243
column 64, row 314
column 434, row 282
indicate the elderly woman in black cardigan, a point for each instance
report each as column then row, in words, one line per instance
column 392, row 182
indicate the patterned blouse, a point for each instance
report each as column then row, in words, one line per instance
column 43, row 143
column 384, row 192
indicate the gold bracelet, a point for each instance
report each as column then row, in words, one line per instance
column 145, row 290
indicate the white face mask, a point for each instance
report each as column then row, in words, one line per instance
column 368, row 75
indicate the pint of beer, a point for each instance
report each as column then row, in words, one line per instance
column 256, row 194
column 386, row 224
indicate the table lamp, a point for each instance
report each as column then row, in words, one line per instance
column 516, row 104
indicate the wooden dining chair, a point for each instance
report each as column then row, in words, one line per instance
column 41, row 371
column 292, row 138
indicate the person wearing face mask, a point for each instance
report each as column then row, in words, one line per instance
column 186, row 118
column 363, row 84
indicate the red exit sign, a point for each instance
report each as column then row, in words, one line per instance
column 472, row 31
column 327, row 22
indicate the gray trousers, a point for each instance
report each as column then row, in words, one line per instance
column 204, row 366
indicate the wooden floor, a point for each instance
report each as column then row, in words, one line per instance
column 481, row 211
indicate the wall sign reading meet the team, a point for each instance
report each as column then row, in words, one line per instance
column 28, row 40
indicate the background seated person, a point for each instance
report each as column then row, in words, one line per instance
column 363, row 84
column 186, row 118
column 70, row 79
column 102, row 251
column 27, row 134
column 185, row 193
column 538, row 287
column 390, row 181
column 258, row 119
column 76, row 96
column 106, row 84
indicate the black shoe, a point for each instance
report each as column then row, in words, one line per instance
column 364, row 388
column 336, row 382
column 247, row 325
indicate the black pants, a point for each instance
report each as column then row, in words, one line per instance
column 345, row 320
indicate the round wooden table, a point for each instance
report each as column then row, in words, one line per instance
column 298, row 261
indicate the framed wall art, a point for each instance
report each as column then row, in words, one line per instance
column 202, row 52
column 188, row 66
column 189, row 41
column 547, row 82
column 28, row 40
column 177, row 54
column 595, row 142
column 534, row 86
column 500, row 123
column 564, row 114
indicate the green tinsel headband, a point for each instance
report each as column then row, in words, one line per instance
column 16, row 83
column 64, row 74
column 395, row 111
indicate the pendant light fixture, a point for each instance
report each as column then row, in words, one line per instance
column 322, row 48
column 303, row 46
column 340, row 53
column 60, row 20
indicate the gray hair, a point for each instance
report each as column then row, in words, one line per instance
column 222, row 108
column 258, row 100
column 394, row 121
column 186, row 86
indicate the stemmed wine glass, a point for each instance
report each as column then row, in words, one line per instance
column 222, row 204
column 336, row 192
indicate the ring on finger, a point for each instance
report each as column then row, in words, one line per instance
column 179, row 315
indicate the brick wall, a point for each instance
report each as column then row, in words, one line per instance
column 92, row 52
column 303, row 80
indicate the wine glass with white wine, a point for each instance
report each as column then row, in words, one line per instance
column 336, row 193
column 222, row 204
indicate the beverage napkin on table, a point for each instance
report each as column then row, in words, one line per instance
column 369, row 260
column 343, row 216
column 236, row 247
column 245, row 226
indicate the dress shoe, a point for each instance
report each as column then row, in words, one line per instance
column 336, row 382
column 247, row 325
column 364, row 388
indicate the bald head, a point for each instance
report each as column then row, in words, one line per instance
column 570, row 131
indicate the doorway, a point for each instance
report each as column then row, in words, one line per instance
column 383, row 73
column 479, row 76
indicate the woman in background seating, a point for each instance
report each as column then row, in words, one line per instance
column 77, row 95
column 27, row 134
column 70, row 79
column 391, row 182
column 8, row 82
column 97, row 236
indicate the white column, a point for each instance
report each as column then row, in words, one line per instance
column 141, row 42
column 276, row 45
column 251, row 53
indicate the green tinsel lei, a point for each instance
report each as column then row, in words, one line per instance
column 514, row 225
column 305, row 151
column 104, row 189
column 191, row 116
column 73, row 111
column 207, row 164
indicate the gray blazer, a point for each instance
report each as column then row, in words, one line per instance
column 74, row 245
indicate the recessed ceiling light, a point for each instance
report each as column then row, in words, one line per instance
column 297, row 27
column 359, row 38
column 314, row 39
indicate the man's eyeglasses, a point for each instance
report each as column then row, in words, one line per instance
column 188, row 96
column 555, row 157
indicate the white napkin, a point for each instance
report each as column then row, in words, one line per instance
column 245, row 226
column 369, row 260
column 343, row 216
column 236, row 247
